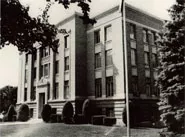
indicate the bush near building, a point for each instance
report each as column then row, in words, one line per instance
column 46, row 113
column 9, row 116
column 23, row 113
column 67, row 113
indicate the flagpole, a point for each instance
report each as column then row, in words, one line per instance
column 123, row 13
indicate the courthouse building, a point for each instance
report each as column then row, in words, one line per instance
column 90, row 64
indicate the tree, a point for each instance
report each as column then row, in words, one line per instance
column 8, row 96
column 23, row 31
column 171, row 80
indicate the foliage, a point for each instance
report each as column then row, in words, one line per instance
column 171, row 79
column 23, row 31
column 46, row 113
column 67, row 113
column 8, row 96
column 9, row 115
column 23, row 113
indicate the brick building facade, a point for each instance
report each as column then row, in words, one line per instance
column 90, row 64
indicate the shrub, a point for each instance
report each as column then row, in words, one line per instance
column 109, row 121
column 98, row 119
column 86, row 110
column 46, row 112
column 132, row 113
column 67, row 113
column 23, row 113
column 79, row 119
column 9, row 116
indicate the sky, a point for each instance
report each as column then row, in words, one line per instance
column 9, row 56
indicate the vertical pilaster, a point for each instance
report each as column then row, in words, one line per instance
column 20, row 79
column 23, row 76
column 29, row 81
column 52, row 73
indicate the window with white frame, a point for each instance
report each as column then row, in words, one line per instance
column 98, row 87
column 108, row 57
column 66, row 41
column 66, row 63
column 153, row 38
column 33, row 94
column 66, row 89
column 109, row 86
column 132, row 31
column 56, row 91
column 108, row 31
column 26, row 75
column 133, row 57
column 154, row 60
column 97, row 36
column 146, row 57
column 45, row 52
column 98, row 60
column 145, row 36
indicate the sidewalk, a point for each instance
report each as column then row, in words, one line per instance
column 31, row 121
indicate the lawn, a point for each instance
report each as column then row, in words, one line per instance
column 63, row 130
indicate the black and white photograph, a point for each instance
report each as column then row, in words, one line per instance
column 92, row 68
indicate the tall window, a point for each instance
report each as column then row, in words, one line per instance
column 45, row 52
column 108, row 57
column 46, row 70
column 153, row 38
column 66, row 63
column 146, row 55
column 132, row 31
column 154, row 60
column 148, row 89
column 56, row 91
column 26, row 58
column 133, row 57
column 34, row 55
column 57, row 67
column 108, row 31
column 26, row 76
column 98, row 87
column 48, row 91
column 109, row 86
column 25, row 94
column 66, row 89
column 66, row 41
column 97, row 37
column 97, row 60
column 34, row 72
column 145, row 36
column 33, row 94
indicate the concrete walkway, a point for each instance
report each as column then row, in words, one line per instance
column 31, row 121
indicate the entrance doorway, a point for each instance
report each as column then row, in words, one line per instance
column 41, row 103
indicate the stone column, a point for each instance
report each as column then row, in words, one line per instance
column 52, row 73
column 23, row 76
column 20, row 79
column 29, row 81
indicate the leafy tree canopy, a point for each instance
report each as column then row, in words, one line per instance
column 171, row 79
column 23, row 31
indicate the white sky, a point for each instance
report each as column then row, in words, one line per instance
column 9, row 58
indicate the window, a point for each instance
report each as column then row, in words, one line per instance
column 34, row 55
column 48, row 91
column 25, row 94
column 46, row 70
column 145, row 36
column 154, row 60
column 26, row 76
column 153, row 38
column 45, row 52
column 97, row 37
column 41, row 71
column 56, row 91
column 26, row 58
column 66, row 65
column 148, row 89
column 34, row 72
column 133, row 57
column 33, row 94
column 108, row 57
column 66, row 41
column 98, row 88
column 57, row 67
column 134, row 85
column 66, row 89
column 109, row 86
column 132, row 31
column 108, row 31
column 146, row 54
column 97, row 60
